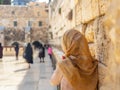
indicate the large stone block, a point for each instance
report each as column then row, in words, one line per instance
column 92, row 49
column 103, row 6
column 81, row 28
column 101, row 40
column 78, row 13
column 103, row 77
column 86, row 11
column 89, row 33
column 90, row 10
column 112, row 28
column 95, row 8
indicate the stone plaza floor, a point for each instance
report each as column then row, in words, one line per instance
column 15, row 75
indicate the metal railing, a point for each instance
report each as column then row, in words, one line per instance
column 10, row 51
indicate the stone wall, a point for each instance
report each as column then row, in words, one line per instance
column 40, row 34
column 100, row 25
column 59, row 17
column 89, row 20
column 99, row 21
column 112, row 29
column 27, row 18
column 12, row 34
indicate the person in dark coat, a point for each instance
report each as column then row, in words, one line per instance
column 29, row 54
column 16, row 51
column 42, row 54
column 1, row 51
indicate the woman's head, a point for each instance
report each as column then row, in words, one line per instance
column 74, row 43
column 29, row 45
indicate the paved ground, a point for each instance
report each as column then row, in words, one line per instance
column 15, row 75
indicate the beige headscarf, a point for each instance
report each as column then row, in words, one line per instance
column 80, row 69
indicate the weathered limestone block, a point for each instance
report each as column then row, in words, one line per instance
column 81, row 28
column 101, row 51
column 95, row 8
column 101, row 40
column 92, row 49
column 89, row 33
column 103, row 6
column 86, row 11
column 78, row 13
column 103, row 77
column 112, row 25
column 90, row 10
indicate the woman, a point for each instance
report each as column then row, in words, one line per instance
column 50, row 54
column 16, row 51
column 78, row 71
column 50, row 51
column 42, row 53
column 1, row 51
column 29, row 54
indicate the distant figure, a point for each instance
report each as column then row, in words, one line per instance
column 50, row 51
column 50, row 54
column 42, row 54
column 28, row 54
column 45, row 46
column 1, row 51
column 16, row 51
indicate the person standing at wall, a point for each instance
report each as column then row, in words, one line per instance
column 16, row 51
column 1, row 51
column 28, row 54
column 50, row 51
column 50, row 54
column 78, row 71
column 42, row 53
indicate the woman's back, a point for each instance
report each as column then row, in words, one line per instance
column 49, row 50
column 29, row 53
column 42, row 52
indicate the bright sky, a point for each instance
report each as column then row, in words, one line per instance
column 43, row 0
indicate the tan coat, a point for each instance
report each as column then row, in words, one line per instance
column 57, row 78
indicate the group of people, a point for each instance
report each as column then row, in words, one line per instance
column 42, row 52
column 28, row 53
